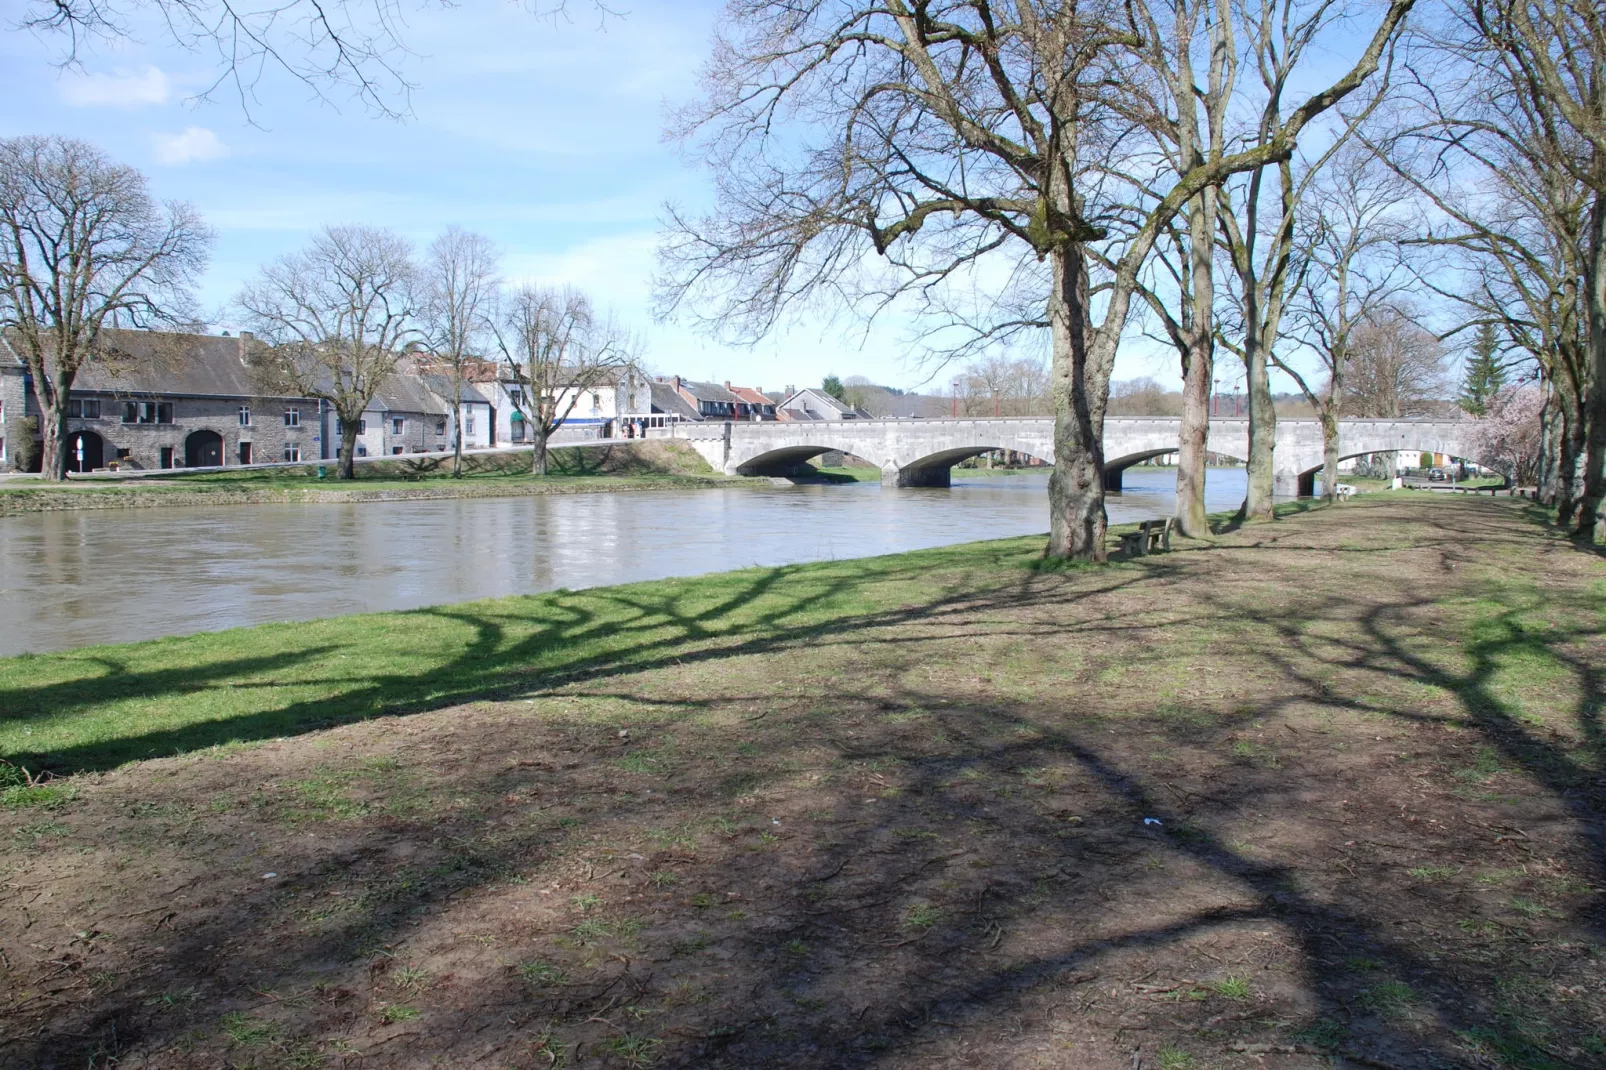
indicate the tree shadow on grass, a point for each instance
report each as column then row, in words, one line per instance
column 493, row 650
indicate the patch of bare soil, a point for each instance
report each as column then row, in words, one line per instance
column 1327, row 793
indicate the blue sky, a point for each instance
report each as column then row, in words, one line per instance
column 545, row 136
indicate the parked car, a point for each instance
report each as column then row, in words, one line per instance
column 1437, row 475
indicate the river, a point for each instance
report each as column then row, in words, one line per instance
column 71, row 579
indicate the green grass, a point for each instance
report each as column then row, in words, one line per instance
column 99, row 707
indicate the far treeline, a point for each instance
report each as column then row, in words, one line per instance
column 1028, row 175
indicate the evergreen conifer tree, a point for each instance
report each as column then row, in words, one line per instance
column 1485, row 376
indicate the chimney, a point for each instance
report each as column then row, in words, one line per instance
column 677, row 382
column 727, row 384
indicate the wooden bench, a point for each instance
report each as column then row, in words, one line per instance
column 1151, row 536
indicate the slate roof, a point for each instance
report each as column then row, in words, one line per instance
column 708, row 392
column 407, row 393
column 168, row 362
column 666, row 399
column 441, row 385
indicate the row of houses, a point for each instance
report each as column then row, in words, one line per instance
column 191, row 400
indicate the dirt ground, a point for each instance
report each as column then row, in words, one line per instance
column 1328, row 793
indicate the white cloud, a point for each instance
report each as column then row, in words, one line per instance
column 194, row 143
column 124, row 89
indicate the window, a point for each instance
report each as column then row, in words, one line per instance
column 167, row 456
column 362, row 427
column 292, row 417
column 468, row 424
column 440, row 427
column 362, row 451
column 148, row 412
column 123, row 454
column 397, row 425
column 84, row 409
column 245, row 416
column 396, row 450
column 292, row 452
column 596, row 401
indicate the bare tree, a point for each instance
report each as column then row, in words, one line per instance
column 557, row 350
column 1260, row 210
column 457, row 293
column 1004, row 386
column 1192, row 53
column 355, row 47
column 1513, row 221
column 1547, row 58
column 1143, row 397
column 338, row 319
column 1396, row 367
column 84, row 248
column 942, row 138
column 1351, row 274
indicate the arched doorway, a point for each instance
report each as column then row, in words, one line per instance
column 203, row 449
column 86, row 451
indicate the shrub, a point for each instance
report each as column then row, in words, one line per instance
column 22, row 434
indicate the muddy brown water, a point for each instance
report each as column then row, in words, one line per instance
column 71, row 579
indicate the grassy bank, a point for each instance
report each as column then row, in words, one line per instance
column 621, row 466
column 1327, row 787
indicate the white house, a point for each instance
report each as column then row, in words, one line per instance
column 478, row 414
column 597, row 408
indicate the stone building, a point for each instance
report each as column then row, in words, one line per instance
column 171, row 400
column 404, row 416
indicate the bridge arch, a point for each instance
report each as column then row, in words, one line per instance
column 1308, row 477
column 784, row 461
column 936, row 469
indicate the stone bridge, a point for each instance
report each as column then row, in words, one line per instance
column 920, row 453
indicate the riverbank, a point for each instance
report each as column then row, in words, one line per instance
column 573, row 470
column 1327, row 786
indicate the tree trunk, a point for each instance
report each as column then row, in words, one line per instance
column 53, row 429
column 538, row 462
column 51, row 394
column 457, row 438
column 1260, row 464
column 1550, row 434
column 1330, row 455
column 1592, row 514
column 1572, row 434
column 1081, row 390
column 347, row 468
column 1198, row 370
